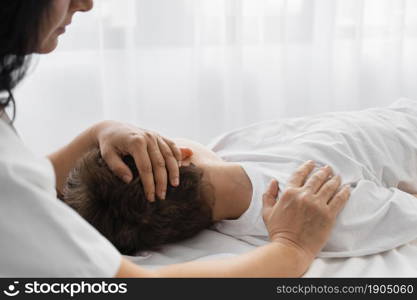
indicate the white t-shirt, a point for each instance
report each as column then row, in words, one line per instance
column 40, row 235
column 374, row 150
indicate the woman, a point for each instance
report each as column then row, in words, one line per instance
column 43, row 237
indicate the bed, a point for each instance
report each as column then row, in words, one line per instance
column 210, row 244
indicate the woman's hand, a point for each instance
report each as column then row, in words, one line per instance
column 156, row 157
column 304, row 215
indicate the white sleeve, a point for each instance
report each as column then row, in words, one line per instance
column 40, row 235
column 375, row 219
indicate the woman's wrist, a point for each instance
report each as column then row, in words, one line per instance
column 301, row 256
column 65, row 158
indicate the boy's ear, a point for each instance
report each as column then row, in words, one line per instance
column 186, row 152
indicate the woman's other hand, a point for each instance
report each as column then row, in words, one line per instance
column 305, row 214
column 156, row 157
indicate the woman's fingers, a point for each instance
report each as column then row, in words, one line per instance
column 156, row 161
column 175, row 150
column 158, row 168
column 171, row 161
column 298, row 178
column 328, row 189
column 144, row 165
column 339, row 200
column 116, row 165
column 316, row 180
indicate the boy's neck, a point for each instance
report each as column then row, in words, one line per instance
column 233, row 190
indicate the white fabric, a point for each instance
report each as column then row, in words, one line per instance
column 41, row 236
column 209, row 245
column 375, row 151
column 219, row 64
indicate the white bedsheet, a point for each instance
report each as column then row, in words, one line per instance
column 209, row 244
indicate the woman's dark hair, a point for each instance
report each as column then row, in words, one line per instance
column 20, row 25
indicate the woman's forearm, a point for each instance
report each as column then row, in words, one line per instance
column 273, row 260
column 65, row 158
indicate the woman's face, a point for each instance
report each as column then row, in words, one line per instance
column 58, row 17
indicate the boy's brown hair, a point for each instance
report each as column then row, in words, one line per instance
column 125, row 217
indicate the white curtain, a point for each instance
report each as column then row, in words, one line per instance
column 197, row 68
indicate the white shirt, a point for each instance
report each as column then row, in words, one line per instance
column 40, row 235
column 374, row 150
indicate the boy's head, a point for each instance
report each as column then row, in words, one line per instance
column 121, row 212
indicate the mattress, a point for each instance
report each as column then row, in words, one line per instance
column 210, row 244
